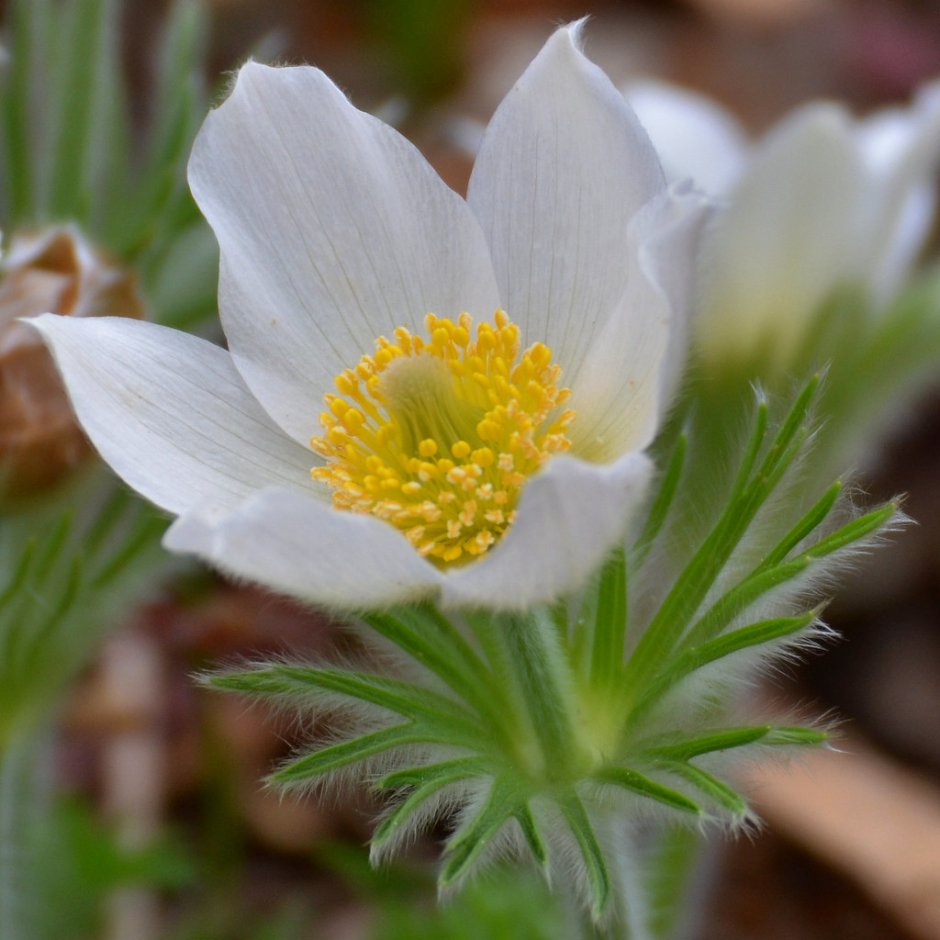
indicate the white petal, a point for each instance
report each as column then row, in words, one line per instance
column 298, row 546
column 333, row 231
column 563, row 167
column 634, row 362
column 901, row 149
column 694, row 136
column 170, row 413
column 898, row 240
column 569, row 518
column 788, row 238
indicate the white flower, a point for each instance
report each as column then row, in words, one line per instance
column 335, row 232
column 821, row 203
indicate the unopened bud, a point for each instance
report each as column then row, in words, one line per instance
column 54, row 270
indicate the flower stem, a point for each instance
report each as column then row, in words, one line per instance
column 543, row 676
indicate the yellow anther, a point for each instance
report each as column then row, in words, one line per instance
column 345, row 385
column 437, row 437
column 353, row 419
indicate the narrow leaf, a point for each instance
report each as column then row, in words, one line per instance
column 416, row 776
column 596, row 866
column 644, row 786
column 610, row 621
column 450, row 660
column 787, row 737
column 854, row 531
column 711, row 786
column 27, row 24
column 469, row 841
column 432, row 784
column 764, row 579
column 532, row 835
column 87, row 45
column 659, row 511
column 756, row 634
column 809, row 523
column 335, row 756
column 754, row 445
column 694, row 582
column 668, row 875
column 723, row 740
column 403, row 698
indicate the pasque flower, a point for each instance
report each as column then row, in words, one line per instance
column 822, row 203
column 423, row 396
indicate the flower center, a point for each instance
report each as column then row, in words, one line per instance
column 439, row 436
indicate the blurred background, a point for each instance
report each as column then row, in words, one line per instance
column 164, row 781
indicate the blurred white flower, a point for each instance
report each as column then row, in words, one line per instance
column 822, row 203
column 434, row 470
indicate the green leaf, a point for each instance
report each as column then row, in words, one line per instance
column 50, row 551
column 23, row 92
column 804, row 528
column 537, row 671
column 753, row 449
column 727, row 739
column 24, row 564
column 665, row 496
column 723, row 740
column 643, row 786
column 142, row 537
column 335, row 756
column 595, row 864
column 435, row 644
column 756, row 634
column 179, row 95
column 475, row 834
column 668, row 873
column 711, row 786
column 532, row 835
column 402, row 698
column 432, row 784
column 853, row 531
column 801, row 737
column 417, row 776
column 610, row 622
column 85, row 60
column 763, row 578
column 69, row 586
column 750, row 492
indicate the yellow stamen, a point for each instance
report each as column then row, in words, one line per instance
column 427, row 430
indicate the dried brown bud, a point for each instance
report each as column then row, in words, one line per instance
column 54, row 270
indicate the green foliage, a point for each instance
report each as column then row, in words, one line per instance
column 64, row 576
column 875, row 358
column 506, row 903
column 540, row 731
column 81, row 862
column 422, row 41
column 69, row 154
